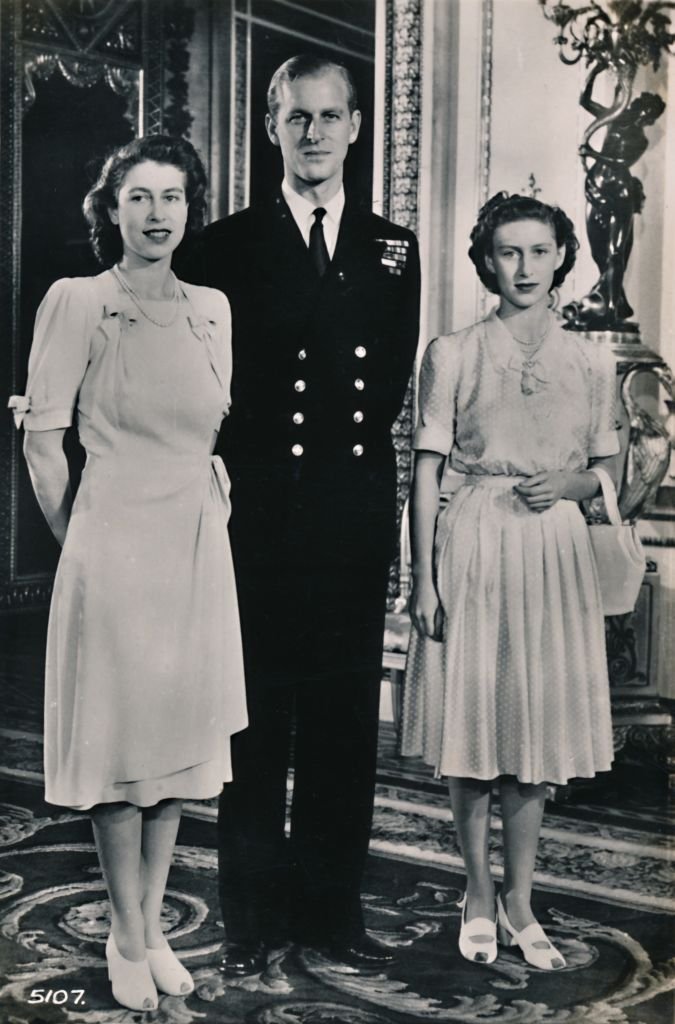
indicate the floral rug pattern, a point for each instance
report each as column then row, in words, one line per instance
column 54, row 922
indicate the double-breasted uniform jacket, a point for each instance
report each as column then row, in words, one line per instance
column 321, row 367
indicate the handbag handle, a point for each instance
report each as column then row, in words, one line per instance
column 608, row 494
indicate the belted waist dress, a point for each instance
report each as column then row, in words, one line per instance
column 144, row 676
column 518, row 685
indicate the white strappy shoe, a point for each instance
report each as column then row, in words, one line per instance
column 533, row 941
column 478, row 937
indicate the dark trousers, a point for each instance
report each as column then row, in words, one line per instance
column 325, row 692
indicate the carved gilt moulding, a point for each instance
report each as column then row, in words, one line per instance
column 401, row 143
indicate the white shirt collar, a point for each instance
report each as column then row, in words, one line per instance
column 303, row 214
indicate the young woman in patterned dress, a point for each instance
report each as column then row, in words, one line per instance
column 506, row 679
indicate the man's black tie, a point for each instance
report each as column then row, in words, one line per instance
column 317, row 242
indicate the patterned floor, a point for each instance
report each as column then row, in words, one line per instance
column 54, row 922
column 604, row 889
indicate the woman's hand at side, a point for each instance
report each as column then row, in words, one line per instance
column 426, row 611
column 425, row 607
column 48, row 468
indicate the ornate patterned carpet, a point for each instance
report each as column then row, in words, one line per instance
column 54, row 921
column 604, row 891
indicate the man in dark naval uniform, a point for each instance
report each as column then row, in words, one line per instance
column 325, row 306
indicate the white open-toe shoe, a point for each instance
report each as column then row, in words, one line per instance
column 477, row 938
column 131, row 980
column 168, row 972
column 533, row 941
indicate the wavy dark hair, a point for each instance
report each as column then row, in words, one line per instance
column 505, row 209
column 105, row 236
column 306, row 65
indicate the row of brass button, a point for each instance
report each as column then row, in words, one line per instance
column 359, row 352
column 298, row 450
column 299, row 417
column 300, row 386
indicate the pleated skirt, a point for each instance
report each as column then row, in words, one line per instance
column 518, row 685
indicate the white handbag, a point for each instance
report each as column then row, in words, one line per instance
column 619, row 556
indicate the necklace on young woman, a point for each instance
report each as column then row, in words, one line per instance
column 529, row 350
column 137, row 302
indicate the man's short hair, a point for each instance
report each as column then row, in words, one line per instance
column 302, row 66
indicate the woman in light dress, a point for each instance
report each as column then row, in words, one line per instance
column 144, row 679
column 507, row 678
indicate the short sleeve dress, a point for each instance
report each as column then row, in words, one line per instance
column 144, row 678
column 518, row 685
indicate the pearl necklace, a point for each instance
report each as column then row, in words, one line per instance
column 531, row 345
column 137, row 302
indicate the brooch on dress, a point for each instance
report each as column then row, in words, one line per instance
column 531, row 380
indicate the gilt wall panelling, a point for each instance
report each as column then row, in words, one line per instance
column 76, row 79
column 241, row 107
column 402, row 116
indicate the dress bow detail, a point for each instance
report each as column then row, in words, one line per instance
column 20, row 405
column 120, row 315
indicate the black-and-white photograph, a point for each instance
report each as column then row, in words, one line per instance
column 337, row 511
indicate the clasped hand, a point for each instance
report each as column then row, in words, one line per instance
column 426, row 611
column 543, row 490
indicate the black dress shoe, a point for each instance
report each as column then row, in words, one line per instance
column 361, row 951
column 242, row 959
